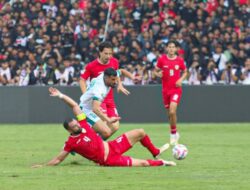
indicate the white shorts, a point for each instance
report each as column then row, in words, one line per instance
column 92, row 118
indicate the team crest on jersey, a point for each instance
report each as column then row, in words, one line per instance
column 176, row 67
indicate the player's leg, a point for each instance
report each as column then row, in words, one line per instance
column 172, row 117
column 114, row 126
column 98, row 125
column 122, row 144
column 137, row 135
column 112, row 112
column 127, row 161
column 172, row 113
column 145, row 163
column 102, row 129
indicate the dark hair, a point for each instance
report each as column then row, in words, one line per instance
column 110, row 72
column 172, row 42
column 66, row 123
column 105, row 45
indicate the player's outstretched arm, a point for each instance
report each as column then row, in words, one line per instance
column 120, row 87
column 55, row 161
column 56, row 93
column 130, row 75
column 83, row 85
column 183, row 76
column 58, row 159
column 158, row 72
column 97, row 110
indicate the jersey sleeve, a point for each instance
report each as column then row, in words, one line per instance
column 98, row 95
column 116, row 64
column 81, row 118
column 182, row 65
column 86, row 74
column 159, row 63
column 118, row 72
column 67, row 147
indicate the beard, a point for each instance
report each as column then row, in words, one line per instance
column 113, row 86
column 78, row 131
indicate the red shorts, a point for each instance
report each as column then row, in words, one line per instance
column 171, row 96
column 116, row 148
column 109, row 109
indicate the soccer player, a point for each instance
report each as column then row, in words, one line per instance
column 90, row 103
column 84, row 141
column 95, row 68
column 173, row 71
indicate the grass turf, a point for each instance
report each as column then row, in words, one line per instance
column 218, row 159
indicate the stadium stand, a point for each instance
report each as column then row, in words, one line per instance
column 50, row 41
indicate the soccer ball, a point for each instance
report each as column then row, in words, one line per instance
column 180, row 151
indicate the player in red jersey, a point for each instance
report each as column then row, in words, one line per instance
column 94, row 69
column 84, row 141
column 173, row 71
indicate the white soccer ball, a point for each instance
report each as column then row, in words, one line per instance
column 180, row 151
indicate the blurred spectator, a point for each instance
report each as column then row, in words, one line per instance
column 228, row 75
column 211, row 73
column 245, row 76
column 23, row 74
column 194, row 75
column 40, row 75
column 62, row 76
column 5, row 73
column 219, row 58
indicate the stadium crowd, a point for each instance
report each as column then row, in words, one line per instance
column 50, row 41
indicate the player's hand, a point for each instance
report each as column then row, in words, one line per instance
column 54, row 92
column 158, row 73
column 178, row 83
column 37, row 166
column 137, row 78
column 114, row 119
column 120, row 88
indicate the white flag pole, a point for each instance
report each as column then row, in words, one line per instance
column 107, row 20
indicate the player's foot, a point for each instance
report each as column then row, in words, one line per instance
column 168, row 163
column 162, row 149
column 174, row 138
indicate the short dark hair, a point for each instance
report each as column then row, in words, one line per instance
column 66, row 123
column 105, row 44
column 110, row 72
column 172, row 42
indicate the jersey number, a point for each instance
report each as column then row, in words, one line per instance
column 171, row 72
column 86, row 139
column 175, row 97
column 118, row 140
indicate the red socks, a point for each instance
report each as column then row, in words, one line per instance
column 155, row 162
column 173, row 129
column 146, row 142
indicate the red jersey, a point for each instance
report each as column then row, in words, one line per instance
column 88, row 144
column 95, row 68
column 171, row 71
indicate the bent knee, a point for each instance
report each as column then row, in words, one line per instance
column 116, row 127
column 141, row 132
column 144, row 163
column 105, row 136
column 172, row 113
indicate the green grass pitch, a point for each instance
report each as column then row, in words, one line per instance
column 218, row 159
